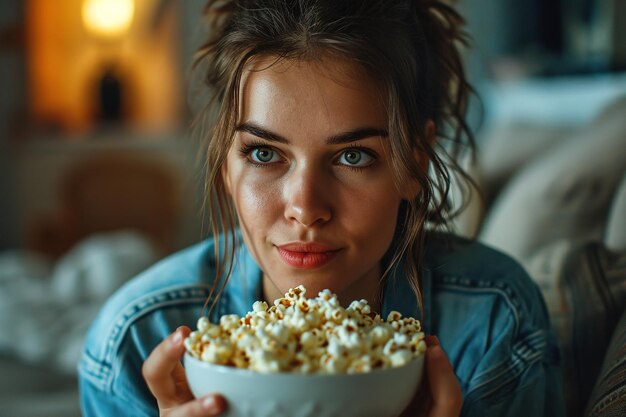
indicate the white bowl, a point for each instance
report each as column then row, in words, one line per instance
column 380, row 393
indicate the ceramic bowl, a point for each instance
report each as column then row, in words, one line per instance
column 380, row 393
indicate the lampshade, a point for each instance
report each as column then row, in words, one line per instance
column 108, row 18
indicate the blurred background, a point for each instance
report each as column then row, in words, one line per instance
column 99, row 175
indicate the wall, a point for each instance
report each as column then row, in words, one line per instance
column 67, row 63
column 42, row 165
column 12, row 110
column 31, row 166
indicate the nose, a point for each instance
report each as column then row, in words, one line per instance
column 307, row 195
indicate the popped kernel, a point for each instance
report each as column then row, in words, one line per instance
column 203, row 324
column 308, row 335
column 394, row 316
column 259, row 306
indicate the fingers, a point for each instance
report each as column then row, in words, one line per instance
column 431, row 340
column 166, row 380
column 163, row 372
column 210, row 405
column 447, row 398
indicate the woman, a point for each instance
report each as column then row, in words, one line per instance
column 323, row 172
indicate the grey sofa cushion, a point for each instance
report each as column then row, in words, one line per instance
column 584, row 286
column 594, row 282
column 564, row 193
column 615, row 232
column 609, row 396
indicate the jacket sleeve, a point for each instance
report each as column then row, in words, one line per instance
column 131, row 323
column 519, row 372
column 112, row 385
column 115, row 389
column 95, row 402
column 492, row 322
column 536, row 392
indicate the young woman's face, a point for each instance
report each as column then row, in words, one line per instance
column 310, row 178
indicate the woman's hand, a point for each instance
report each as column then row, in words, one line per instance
column 441, row 396
column 165, row 377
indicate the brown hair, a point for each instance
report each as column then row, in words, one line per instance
column 411, row 46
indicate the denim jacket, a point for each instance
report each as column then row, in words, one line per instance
column 488, row 315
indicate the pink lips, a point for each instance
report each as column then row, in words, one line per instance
column 306, row 255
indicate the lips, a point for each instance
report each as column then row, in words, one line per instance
column 306, row 255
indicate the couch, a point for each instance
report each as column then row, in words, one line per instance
column 554, row 186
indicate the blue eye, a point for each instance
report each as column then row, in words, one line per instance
column 263, row 155
column 356, row 158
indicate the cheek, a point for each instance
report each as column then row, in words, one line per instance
column 256, row 200
column 373, row 219
column 382, row 219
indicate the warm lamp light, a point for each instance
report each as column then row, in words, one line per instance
column 108, row 18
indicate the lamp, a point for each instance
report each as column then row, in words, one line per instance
column 108, row 18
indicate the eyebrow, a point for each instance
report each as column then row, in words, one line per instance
column 338, row 139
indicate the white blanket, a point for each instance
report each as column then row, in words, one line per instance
column 46, row 307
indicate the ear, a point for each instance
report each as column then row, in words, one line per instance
column 412, row 189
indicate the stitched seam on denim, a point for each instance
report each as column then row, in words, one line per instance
column 507, row 376
column 128, row 320
column 522, row 356
column 94, row 371
column 536, row 340
column 533, row 345
column 475, row 283
column 504, row 361
column 538, row 335
column 514, row 372
column 139, row 308
column 104, row 370
column 143, row 313
column 460, row 287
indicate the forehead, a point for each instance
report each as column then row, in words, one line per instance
column 329, row 92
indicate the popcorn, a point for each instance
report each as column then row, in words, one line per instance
column 259, row 306
column 308, row 335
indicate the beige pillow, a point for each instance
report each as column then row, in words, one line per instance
column 584, row 287
column 615, row 232
column 565, row 193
